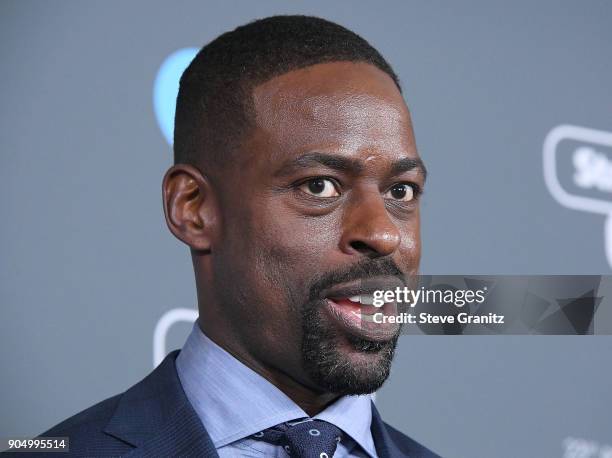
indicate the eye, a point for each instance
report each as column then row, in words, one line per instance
column 401, row 192
column 320, row 187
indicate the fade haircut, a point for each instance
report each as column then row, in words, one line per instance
column 214, row 107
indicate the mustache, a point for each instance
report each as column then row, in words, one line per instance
column 361, row 271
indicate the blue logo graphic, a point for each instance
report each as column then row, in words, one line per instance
column 165, row 89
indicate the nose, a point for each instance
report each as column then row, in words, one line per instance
column 367, row 228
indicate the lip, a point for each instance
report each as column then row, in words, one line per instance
column 363, row 287
column 357, row 319
column 351, row 319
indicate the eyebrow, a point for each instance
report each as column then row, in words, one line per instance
column 333, row 161
column 407, row 164
column 345, row 164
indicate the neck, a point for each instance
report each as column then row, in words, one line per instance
column 309, row 399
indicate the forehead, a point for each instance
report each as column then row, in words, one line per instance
column 345, row 107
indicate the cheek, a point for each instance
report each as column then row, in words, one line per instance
column 411, row 239
column 410, row 247
column 299, row 247
column 279, row 254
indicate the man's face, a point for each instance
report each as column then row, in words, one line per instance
column 324, row 197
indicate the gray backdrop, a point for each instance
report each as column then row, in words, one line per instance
column 88, row 268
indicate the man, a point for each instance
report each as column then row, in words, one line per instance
column 296, row 186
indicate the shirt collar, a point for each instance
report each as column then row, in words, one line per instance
column 233, row 401
column 353, row 415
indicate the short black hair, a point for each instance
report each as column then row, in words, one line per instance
column 214, row 104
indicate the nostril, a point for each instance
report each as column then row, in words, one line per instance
column 362, row 247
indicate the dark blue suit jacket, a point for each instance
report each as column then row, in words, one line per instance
column 154, row 418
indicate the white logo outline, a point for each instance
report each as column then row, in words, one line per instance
column 160, row 333
column 570, row 132
column 584, row 134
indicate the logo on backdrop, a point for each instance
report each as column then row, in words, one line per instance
column 160, row 334
column 165, row 89
column 578, row 172
column 583, row 448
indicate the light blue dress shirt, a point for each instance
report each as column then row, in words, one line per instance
column 235, row 402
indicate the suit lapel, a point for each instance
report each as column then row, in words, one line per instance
column 390, row 443
column 385, row 447
column 156, row 418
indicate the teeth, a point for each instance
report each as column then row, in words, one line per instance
column 364, row 316
column 355, row 299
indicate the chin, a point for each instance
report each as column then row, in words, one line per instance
column 346, row 364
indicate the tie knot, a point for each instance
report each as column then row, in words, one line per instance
column 306, row 439
column 313, row 439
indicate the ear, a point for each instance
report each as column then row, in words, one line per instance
column 190, row 206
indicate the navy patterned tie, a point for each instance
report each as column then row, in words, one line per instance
column 304, row 439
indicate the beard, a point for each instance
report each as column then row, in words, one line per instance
column 330, row 367
column 334, row 371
